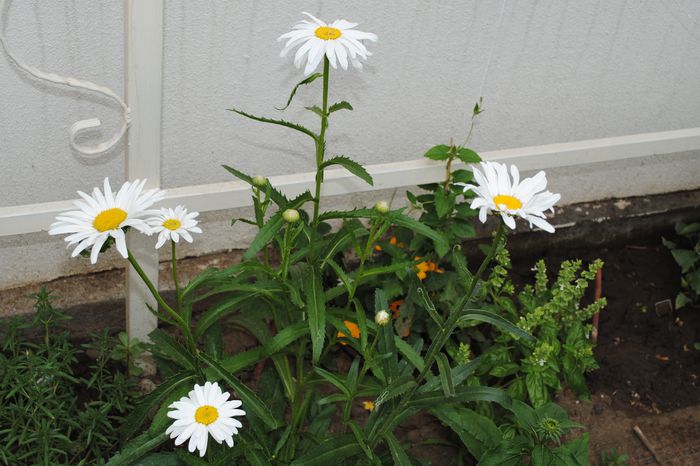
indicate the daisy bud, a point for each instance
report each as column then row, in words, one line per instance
column 382, row 318
column 382, row 207
column 291, row 216
column 259, row 181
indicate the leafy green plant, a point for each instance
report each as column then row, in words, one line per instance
column 50, row 413
column 563, row 351
column 534, row 436
column 686, row 252
column 314, row 293
column 613, row 458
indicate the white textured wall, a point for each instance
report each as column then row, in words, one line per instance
column 560, row 71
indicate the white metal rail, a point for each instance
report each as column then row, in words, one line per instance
column 226, row 195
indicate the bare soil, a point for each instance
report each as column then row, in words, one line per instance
column 649, row 368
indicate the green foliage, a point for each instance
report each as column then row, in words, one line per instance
column 553, row 314
column 52, row 411
column 533, row 436
column 307, row 292
column 686, row 252
column 613, row 458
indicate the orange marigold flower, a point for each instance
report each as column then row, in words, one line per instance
column 354, row 331
column 425, row 267
column 393, row 241
column 394, row 307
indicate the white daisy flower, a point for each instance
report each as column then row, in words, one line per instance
column 106, row 214
column 173, row 223
column 205, row 411
column 338, row 41
column 496, row 192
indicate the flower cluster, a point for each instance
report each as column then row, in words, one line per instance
column 106, row 215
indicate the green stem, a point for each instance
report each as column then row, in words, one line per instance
column 286, row 250
column 320, row 153
column 184, row 326
column 178, row 294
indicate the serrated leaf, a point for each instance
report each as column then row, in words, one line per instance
column 276, row 196
column 343, row 105
column 303, row 82
column 439, row 152
column 288, row 124
column 351, row 166
column 334, row 380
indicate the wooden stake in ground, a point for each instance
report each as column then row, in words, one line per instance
column 647, row 443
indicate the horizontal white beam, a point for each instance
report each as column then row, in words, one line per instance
column 217, row 196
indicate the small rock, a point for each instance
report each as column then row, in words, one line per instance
column 91, row 353
column 147, row 364
column 146, row 386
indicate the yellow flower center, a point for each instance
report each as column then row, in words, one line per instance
column 172, row 224
column 510, row 202
column 206, row 414
column 109, row 219
column 327, row 33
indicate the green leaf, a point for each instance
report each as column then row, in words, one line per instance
column 343, row 105
column 463, row 394
column 395, row 267
column 137, row 448
column 251, row 403
column 443, row 203
column 396, row 388
column 218, row 311
column 542, row 456
column 332, row 451
column 334, row 380
column 409, row 353
column 441, row 152
column 316, row 309
column 686, row 258
column 397, row 453
column 140, row 412
column 276, row 196
column 430, row 307
column 159, row 459
column 477, row 432
column 265, row 235
column 494, row 319
column 256, row 457
column 165, row 346
column 442, row 247
column 316, row 109
column 536, row 389
column 303, row 82
column 351, row 166
column 682, row 300
column 445, row 375
column 468, row 155
column 288, row 124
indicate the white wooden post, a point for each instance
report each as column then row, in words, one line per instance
column 144, row 73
